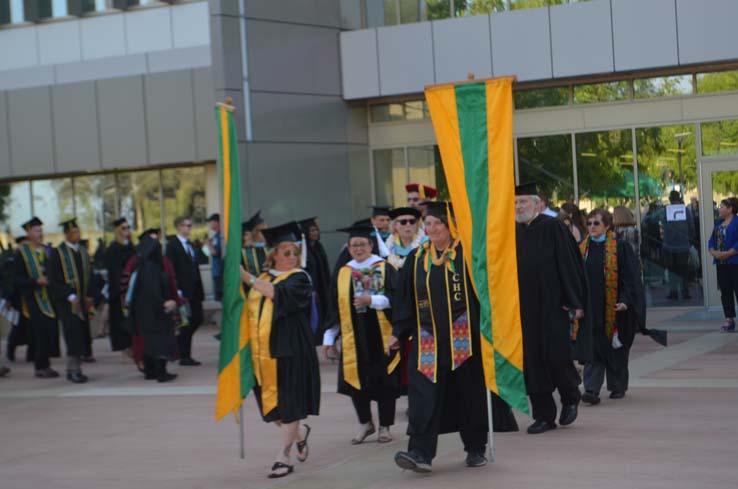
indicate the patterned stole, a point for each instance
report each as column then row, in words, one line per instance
column 35, row 261
column 260, row 315
column 457, row 300
column 349, row 361
column 611, row 280
column 78, row 280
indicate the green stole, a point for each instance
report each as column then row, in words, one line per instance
column 35, row 262
column 72, row 275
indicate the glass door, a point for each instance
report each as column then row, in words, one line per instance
column 719, row 181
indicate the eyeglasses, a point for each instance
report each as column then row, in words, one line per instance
column 404, row 222
column 187, row 225
column 125, row 228
column 289, row 253
column 594, row 223
column 359, row 245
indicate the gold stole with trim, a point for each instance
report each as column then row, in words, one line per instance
column 348, row 340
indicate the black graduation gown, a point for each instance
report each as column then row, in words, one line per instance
column 75, row 325
column 550, row 277
column 291, row 343
column 152, row 289
column 317, row 268
column 20, row 334
column 424, row 395
column 630, row 292
column 44, row 330
column 370, row 353
column 116, row 257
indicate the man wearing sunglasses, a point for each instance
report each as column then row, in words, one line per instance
column 116, row 256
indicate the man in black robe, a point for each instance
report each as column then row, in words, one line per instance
column 116, row 256
column 20, row 333
column 69, row 276
column 553, row 291
column 435, row 301
column 317, row 268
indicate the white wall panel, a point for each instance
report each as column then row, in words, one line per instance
column 451, row 38
column 191, row 24
column 405, row 58
column 18, row 47
column 359, row 64
column 581, row 38
column 148, row 30
column 59, row 42
column 101, row 69
column 521, row 44
column 707, row 30
column 645, row 34
column 37, row 76
column 103, row 36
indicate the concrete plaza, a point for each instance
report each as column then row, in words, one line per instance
column 675, row 429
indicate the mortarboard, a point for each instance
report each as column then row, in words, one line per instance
column 34, row 221
column 355, row 231
column 289, row 231
column 530, row 188
column 306, row 224
column 424, row 191
column 441, row 209
column 213, row 217
column 149, row 231
column 404, row 211
column 69, row 224
column 119, row 221
column 253, row 221
column 380, row 210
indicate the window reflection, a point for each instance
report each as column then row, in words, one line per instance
column 53, row 204
column 421, row 161
column 390, row 176
column 544, row 97
column 719, row 81
column 94, row 202
column 140, row 200
column 605, row 169
column 15, row 209
column 602, row 92
column 664, row 86
column 548, row 161
column 184, row 195
column 720, row 138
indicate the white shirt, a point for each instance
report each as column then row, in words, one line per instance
column 547, row 211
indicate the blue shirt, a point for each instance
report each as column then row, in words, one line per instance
column 216, row 261
column 729, row 242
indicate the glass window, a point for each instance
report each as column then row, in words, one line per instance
column 478, row 7
column 523, row 4
column 390, row 12
column 387, row 112
column 96, row 5
column 184, row 195
column 53, row 203
column 422, row 163
column 410, row 11
column 670, row 250
column 720, row 138
column 416, row 110
column 390, row 176
column 94, row 205
column 602, row 92
column 719, row 81
column 438, row 9
column 548, row 161
column 664, row 86
column 140, row 199
column 15, row 209
column 544, row 97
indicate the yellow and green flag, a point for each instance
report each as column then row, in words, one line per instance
column 473, row 125
column 235, row 372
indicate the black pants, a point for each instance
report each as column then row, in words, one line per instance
column 727, row 277
column 19, row 335
column 362, row 405
column 218, row 287
column 677, row 263
column 184, row 340
column 565, row 379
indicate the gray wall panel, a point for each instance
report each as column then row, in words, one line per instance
column 148, row 30
column 359, row 64
column 405, row 58
column 75, row 127
column 645, row 34
column 38, row 76
column 293, row 58
column 581, row 35
column 178, row 59
column 122, row 122
column 30, row 131
column 101, row 69
column 20, row 48
column 103, row 37
column 59, row 42
column 207, row 138
column 527, row 56
column 357, row 129
column 304, row 118
column 170, row 117
column 451, row 38
column 4, row 149
column 316, row 12
column 707, row 30
column 226, row 44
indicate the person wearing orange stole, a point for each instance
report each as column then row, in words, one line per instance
column 360, row 314
column 287, row 377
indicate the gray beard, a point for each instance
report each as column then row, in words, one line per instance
column 525, row 218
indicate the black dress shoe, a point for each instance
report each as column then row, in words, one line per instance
column 475, row 459
column 617, row 395
column 76, row 377
column 189, row 362
column 591, row 398
column 46, row 373
column 412, row 461
column 166, row 377
column 568, row 414
column 11, row 355
column 4, row 371
column 541, row 427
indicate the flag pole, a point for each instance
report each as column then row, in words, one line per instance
column 491, row 427
column 240, row 429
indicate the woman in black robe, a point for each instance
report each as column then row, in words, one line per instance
column 287, row 377
column 616, row 307
column 154, row 306
column 116, row 256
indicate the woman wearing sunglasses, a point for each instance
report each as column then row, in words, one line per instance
column 287, row 378
column 617, row 309
column 406, row 235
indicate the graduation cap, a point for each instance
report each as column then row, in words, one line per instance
column 424, row 191
column 306, row 224
column 287, row 232
column 360, row 231
column 441, row 210
column 213, row 217
column 69, row 224
column 253, row 221
column 380, row 210
column 119, row 221
column 404, row 211
column 363, row 222
column 148, row 232
column 530, row 188
column 33, row 222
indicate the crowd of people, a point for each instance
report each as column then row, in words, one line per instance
column 399, row 301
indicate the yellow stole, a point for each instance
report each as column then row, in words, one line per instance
column 348, row 340
column 260, row 329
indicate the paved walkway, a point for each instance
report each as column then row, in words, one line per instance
column 675, row 429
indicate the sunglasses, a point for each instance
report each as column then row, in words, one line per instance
column 403, row 222
column 289, row 253
column 594, row 223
